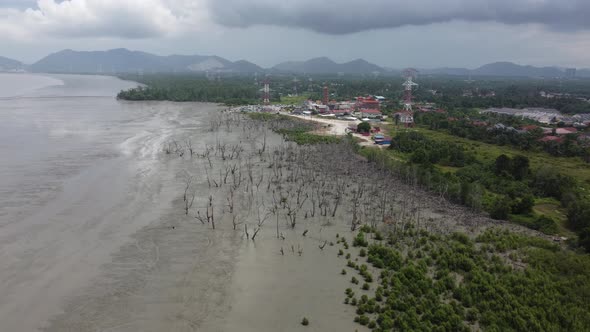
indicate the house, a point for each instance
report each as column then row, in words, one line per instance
column 529, row 128
column 566, row 131
column 367, row 103
column 370, row 113
column 551, row 139
column 321, row 108
column 499, row 126
column 404, row 117
column 478, row 123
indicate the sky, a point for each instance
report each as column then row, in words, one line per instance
column 392, row 33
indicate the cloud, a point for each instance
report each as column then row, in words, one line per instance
column 350, row 16
column 131, row 19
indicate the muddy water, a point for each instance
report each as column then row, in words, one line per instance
column 94, row 236
column 80, row 174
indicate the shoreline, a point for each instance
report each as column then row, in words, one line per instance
column 184, row 274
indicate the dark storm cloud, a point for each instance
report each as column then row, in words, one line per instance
column 349, row 16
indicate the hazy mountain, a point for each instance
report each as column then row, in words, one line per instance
column 123, row 60
column 325, row 65
column 360, row 66
column 505, row 69
column 312, row 66
column 243, row 66
column 446, row 71
column 511, row 69
column 7, row 64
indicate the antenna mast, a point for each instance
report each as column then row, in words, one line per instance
column 409, row 74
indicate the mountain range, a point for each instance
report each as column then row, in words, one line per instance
column 325, row 65
column 125, row 61
column 7, row 64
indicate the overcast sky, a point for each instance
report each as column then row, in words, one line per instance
column 394, row 33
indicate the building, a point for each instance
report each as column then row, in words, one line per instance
column 370, row 114
column 529, row 128
column 565, row 131
column 477, row 123
column 404, row 117
column 551, row 139
column 367, row 103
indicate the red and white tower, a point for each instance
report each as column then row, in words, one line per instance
column 295, row 83
column 326, row 96
column 409, row 74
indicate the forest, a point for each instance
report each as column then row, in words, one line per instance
column 233, row 90
column 183, row 88
column 506, row 187
column 466, row 124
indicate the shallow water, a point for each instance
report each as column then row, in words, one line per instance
column 94, row 237
column 80, row 172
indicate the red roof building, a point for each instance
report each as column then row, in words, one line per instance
column 566, row 131
column 529, row 127
column 479, row 123
column 551, row 139
column 367, row 103
column 370, row 111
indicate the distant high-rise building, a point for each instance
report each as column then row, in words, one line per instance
column 570, row 73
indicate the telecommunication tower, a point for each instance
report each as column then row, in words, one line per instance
column 409, row 74
column 266, row 92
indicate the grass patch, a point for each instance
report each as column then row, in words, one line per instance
column 552, row 208
column 485, row 152
column 294, row 129
column 302, row 137
column 292, row 100
column 448, row 169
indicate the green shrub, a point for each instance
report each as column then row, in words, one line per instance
column 500, row 209
column 378, row 236
column 363, row 127
column 360, row 240
column 304, row 321
column 363, row 320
